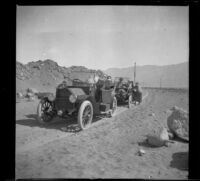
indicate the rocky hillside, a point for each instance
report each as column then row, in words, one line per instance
column 175, row 76
column 46, row 75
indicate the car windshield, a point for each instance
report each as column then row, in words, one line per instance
column 125, row 79
column 77, row 91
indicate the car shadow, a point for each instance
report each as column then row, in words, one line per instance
column 144, row 143
column 180, row 161
column 122, row 104
column 62, row 124
column 97, row 118
column 182, row 140
column 67, row 125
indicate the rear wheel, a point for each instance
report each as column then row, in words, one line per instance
column 140, row 97
column 45, row 111
column 130, row 101
column 85, row 115
column 114, row 107
column 135, row 98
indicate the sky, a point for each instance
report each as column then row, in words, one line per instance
column 101, row 37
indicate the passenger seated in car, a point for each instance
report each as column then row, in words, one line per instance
column 99, row 85
column 102, row 85
column 120, row 83
column 138, row 87
column 130, row 87
column 106, row 85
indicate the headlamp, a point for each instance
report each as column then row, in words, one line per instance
column 72, row 98
column 51, row 97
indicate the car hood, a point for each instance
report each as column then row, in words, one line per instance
column 77, row 91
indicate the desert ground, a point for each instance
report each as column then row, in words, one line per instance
column 108, row 149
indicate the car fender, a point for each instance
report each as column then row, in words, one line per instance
column 83, row 98
column 47, row 99
column 80, row 100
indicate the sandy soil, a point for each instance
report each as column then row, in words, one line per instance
column 108, row 149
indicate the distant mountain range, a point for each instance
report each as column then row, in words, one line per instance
column 174, row 76
column 47, row 74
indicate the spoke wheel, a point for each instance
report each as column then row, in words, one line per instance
column 134, row 98
column 85, row 115
column 45, row 111
column 130, row 101
column 114, row 107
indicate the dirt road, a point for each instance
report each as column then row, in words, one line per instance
column 108, row 149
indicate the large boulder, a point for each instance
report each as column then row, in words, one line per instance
column 178, row 123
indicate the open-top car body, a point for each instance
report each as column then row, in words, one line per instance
column 123, row 91
column 81, row 100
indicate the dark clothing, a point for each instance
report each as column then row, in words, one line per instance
column 138, row 88
column 137, row 93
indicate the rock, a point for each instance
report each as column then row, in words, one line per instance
column 32, row 90
column 178, row 123
column 141, row 152
column 155, row 141
column 31, row 98
column 159, row 138
column 171, row 135
column 29, row 94
column 19, row 95
column 37, row 67
column 166, row 144
column 164, row 134
column 152, row 114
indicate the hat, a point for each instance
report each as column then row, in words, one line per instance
column 121, row 79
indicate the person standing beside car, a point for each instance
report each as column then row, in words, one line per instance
column 138, row 87
column 138, row 92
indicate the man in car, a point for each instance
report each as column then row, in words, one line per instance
column 138, row 92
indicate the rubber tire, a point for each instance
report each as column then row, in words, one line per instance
column 80, row 114
column 113, row 113
column 140, row 98
column 39, row 113
column 130, row 101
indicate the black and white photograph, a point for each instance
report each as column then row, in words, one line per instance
column 102, row 91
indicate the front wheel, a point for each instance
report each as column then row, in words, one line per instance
column 85, row 115
column 45, row 111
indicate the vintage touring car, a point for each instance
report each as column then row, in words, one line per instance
column 81, row 100
column 124, row 91
column 127, row 93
